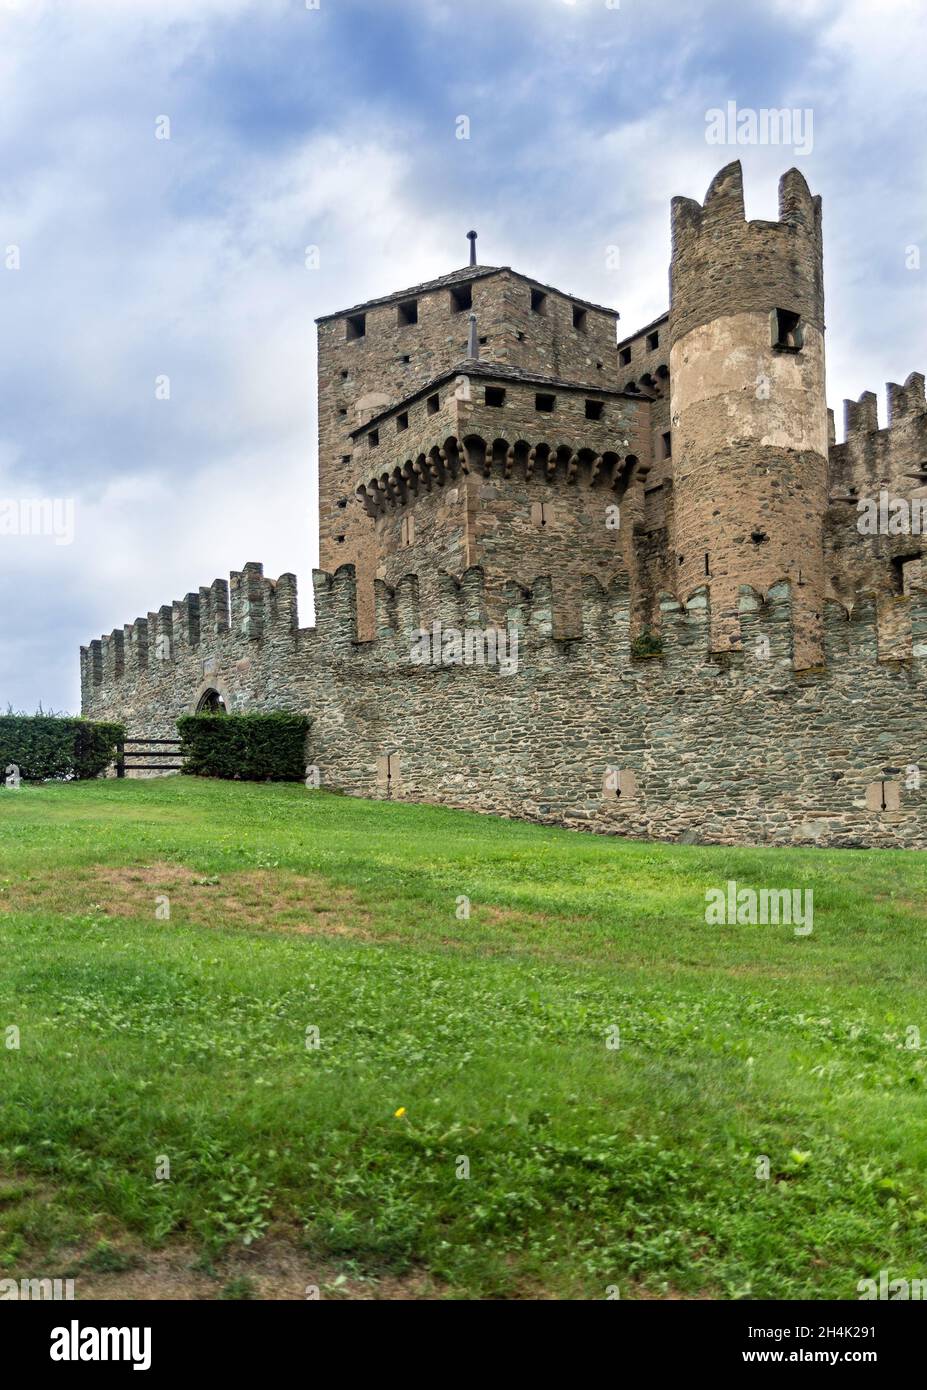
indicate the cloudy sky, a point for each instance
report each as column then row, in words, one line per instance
column 126, row 258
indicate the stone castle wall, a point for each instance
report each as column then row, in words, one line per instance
column 684, row 745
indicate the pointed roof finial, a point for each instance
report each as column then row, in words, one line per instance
column 471, row 237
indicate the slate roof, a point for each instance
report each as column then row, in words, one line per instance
column 646, row 329
column 497, row 371
column 459, row 277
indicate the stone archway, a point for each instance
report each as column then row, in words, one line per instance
column 211, row 698
column 211, row 702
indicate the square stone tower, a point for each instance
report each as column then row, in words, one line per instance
column 475, row 419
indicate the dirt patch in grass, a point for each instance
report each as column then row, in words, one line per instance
column 262, row 899
column 276, row 1268
column 272, row 1270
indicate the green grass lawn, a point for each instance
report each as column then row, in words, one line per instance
column 638, row 1166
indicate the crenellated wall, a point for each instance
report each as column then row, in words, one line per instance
column 877, row 467
column 729, row 749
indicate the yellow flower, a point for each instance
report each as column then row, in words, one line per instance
column 398, row 1114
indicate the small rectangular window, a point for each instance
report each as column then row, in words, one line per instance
column 624, row 356
column 545, row 403
column 355, row 326
column 461, row 298
column 667, row 445
column 495, row 395
column 538, row 302
column 433, row 405
column 787, row 330
column 579, row 318
column 407, row 313
column 373, row 438
column 595, row 410
column 402, row 422
column 653, row 342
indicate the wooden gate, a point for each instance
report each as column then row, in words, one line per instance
column 130, row 749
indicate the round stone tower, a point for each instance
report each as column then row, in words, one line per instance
column 749, row 415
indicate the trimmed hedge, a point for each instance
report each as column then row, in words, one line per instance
column 254, row 747
column 57, row 746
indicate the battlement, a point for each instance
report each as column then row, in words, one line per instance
column 205, row 634
column 246, row 606
column 904, row 403
column 723, row 264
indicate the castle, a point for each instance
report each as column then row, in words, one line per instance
column 616, row 585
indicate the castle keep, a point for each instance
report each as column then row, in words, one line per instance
column 701, row 638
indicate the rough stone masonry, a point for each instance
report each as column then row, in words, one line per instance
column 708, row 643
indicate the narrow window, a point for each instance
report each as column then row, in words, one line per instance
column 787, row 331
column 667, row 445
column 538, row 302
column 540, row 514
column 461, row 299
column 407, row 313
column 433, row 405
column 402, row 422
column 653, row 342
column 883, row 796
column 495, row 395
column 373, row 438
column 707, row 570
column 407, row 531
column 579, row 318
column 356, row 326
column 905, row 573
column 405, row 358
column 545, row 402
column 624, row 356
column 388, row 772
column 595, row 410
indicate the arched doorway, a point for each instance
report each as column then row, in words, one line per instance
column 211, row 702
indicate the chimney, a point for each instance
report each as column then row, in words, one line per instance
column 473, row 342
column 471, row 237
